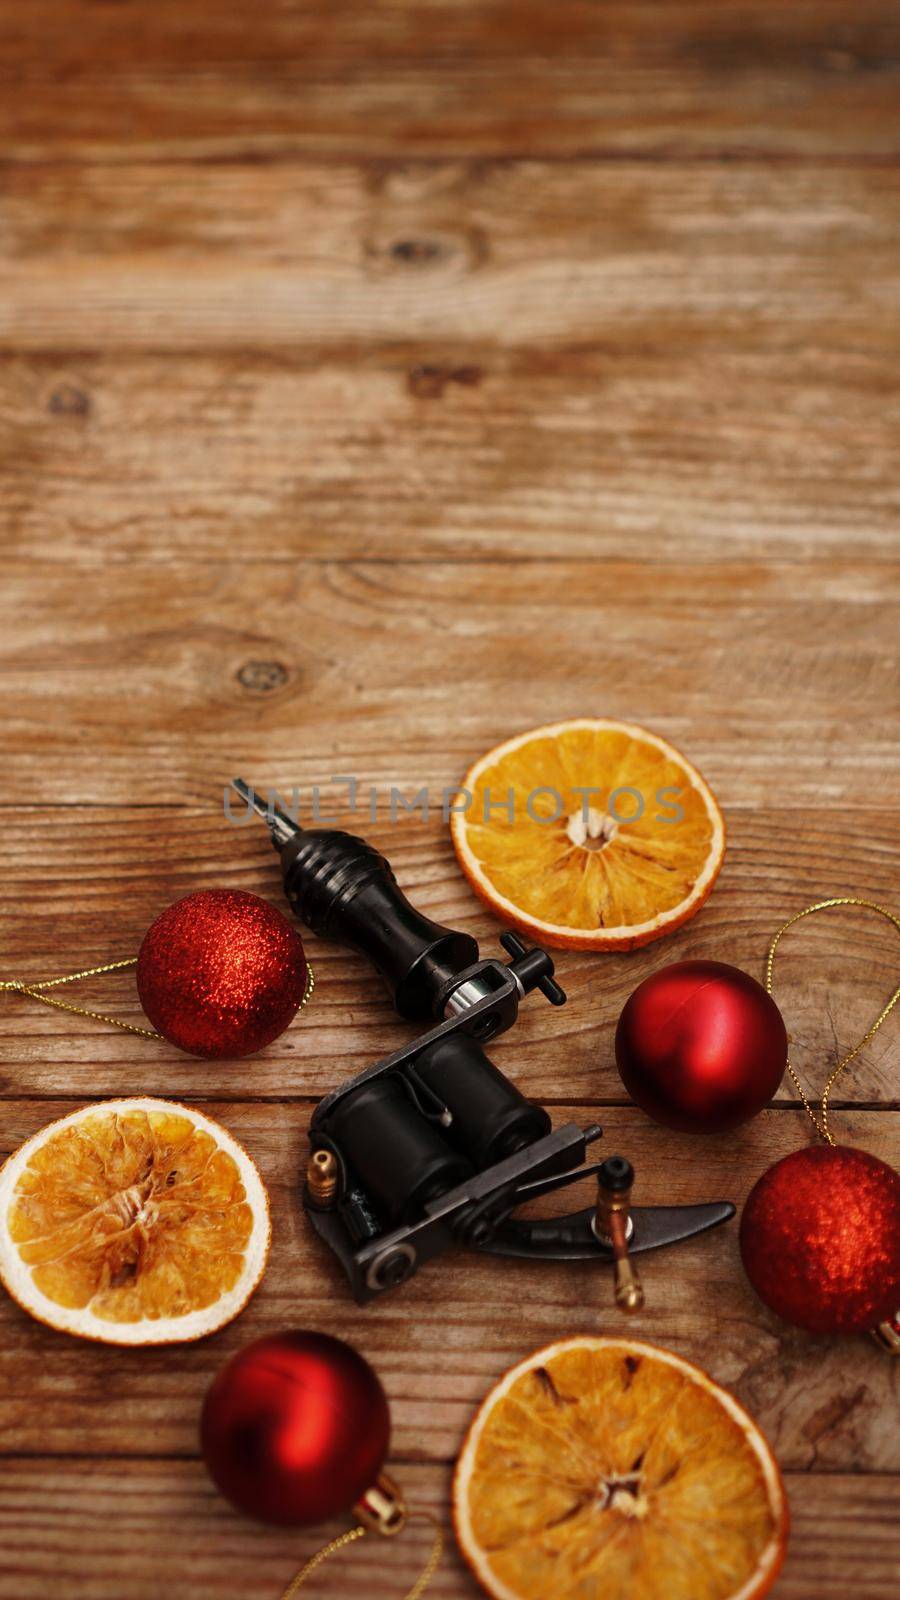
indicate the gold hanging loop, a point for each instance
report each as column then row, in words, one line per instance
column 822, row 1127
column 35, row 991
column 359, row 1532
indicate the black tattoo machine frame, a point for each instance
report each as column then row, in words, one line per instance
column 433, row 1147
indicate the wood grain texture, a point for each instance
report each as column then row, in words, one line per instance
column 405, row 674
column 678, row 452
column 377, row 381
column 810, row 79
column 578, row 253
column 433, row 360
column 56, row 1521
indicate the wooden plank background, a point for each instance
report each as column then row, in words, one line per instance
column 376, row 381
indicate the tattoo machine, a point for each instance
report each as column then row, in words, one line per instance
column 433, row 1147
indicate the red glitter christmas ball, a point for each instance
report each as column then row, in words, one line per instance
column 221, row 973
column 820, row 1239
column 701, row 1047
column 295, row 1428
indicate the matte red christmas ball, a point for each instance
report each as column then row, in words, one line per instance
column 221, row 973
column 295, row 1428
column 820, row 1239
column 701, row 1047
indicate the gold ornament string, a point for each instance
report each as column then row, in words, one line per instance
column 351, row 1536
column 822, row 1127
column 36, row 992
column 322, row 1555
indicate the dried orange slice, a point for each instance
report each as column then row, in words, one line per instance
column 133, row 1222
column 605, row 1469
column 590, row 834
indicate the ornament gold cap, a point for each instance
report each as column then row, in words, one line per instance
column 887, row 1334
column 382, row 1508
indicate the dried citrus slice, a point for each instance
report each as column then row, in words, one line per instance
column 605, row 1469
column 133, row 1222
column 591, row 834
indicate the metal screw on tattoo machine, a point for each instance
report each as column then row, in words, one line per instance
column 433, row 1147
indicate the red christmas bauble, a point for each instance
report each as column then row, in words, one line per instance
column 221, row 973
column 295, row 1428
column 820, row 1239
column 701, row 1047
